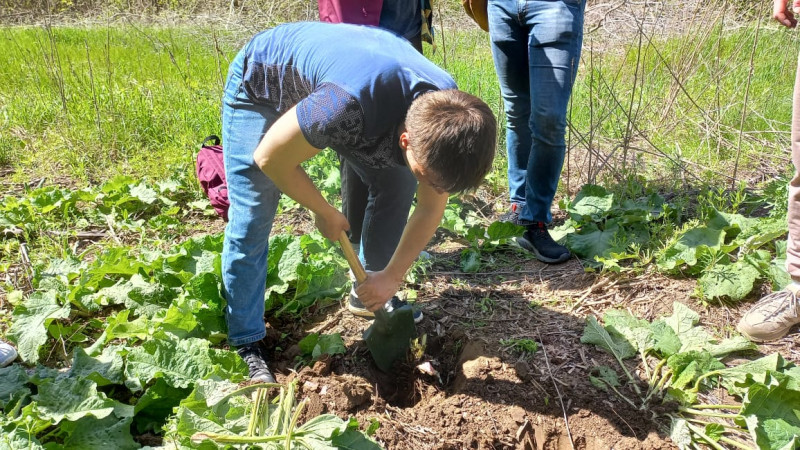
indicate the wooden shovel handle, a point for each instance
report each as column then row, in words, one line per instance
column 352, row 258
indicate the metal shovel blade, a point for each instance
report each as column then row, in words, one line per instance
column 389, row 337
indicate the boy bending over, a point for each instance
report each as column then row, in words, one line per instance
column 397, row 118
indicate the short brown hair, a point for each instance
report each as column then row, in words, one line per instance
column 454, row 134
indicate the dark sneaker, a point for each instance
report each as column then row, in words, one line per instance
column 355, row 306
column 255, row 355
column 537, row 240
column 513, row 215
column 772, row 317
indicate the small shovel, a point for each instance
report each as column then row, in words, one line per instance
column 389, row 337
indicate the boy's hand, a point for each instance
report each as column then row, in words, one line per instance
column 377, row 290
column 331, row 223
column 782, row 13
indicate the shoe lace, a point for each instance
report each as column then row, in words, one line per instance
column 254, row 359
column 782, row 299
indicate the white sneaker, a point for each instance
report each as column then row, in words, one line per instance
column 7, row 354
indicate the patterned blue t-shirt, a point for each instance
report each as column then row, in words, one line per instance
column 352, row 84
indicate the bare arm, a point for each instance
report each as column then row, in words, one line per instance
column 381, row 286
column 279, row 155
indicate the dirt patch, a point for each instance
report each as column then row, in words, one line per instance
column 485, row 395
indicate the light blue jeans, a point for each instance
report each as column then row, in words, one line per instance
column 536, row 46
column 254, row 200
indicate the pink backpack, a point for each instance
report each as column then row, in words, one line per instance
column 359, row 12
column 211, row 174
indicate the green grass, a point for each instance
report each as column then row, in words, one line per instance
column 91, row 103
column 684, row 97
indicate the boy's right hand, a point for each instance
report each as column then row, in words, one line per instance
column 784, row 15
column 331, row 223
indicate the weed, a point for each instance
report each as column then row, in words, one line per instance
column 525, row 347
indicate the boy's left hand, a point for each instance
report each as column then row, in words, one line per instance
column 377, row 290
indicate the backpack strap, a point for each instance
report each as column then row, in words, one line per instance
column 213, row 138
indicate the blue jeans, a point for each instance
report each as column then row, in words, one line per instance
column 254, row 200
column 536, row 47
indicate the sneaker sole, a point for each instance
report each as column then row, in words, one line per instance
column 762, row 339
column 360, row 312
column 524, row 243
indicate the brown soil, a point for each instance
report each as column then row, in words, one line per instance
column 486, row 396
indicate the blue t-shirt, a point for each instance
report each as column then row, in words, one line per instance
column 352, row 84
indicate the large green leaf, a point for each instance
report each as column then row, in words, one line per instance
column 157, row 403
column 71, row 399
column 501, row 231
column 13, row 384
column 680, row 434
column 772, row 415
column 13, row 437
column 591, row 241
column 689, row 366
column 104, row 369
column 179, row 362
column 31, row 319
column 683, row 319
column 592, row 203
column 316, row 345
column 685, row 250
column 146, row 298
column 665, row 341
column 636, row 331
column 92, row 434
column 728, row 280
column 737, row 379
column 617, row 345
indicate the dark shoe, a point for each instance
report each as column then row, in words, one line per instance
column 513, row 215
column 537, row 240
column 255, row 355
column 357, row 308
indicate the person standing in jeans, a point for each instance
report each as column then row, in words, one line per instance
column 775, row 314
column 536, row 46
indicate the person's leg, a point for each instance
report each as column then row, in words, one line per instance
column 416, row 41
column 554, row 46
column 391, row 191
column 509, row 44
column 775, row 314
column 793, row 243
column 354, row 200
column 254, row 199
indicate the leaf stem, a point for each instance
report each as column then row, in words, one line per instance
column 737, row 407
column 234, row 439
column 708, row 441
column 699, row 412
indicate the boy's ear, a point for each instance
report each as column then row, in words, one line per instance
column 403, row 141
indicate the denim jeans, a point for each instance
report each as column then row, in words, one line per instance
column 536, row 47
column 254, row 201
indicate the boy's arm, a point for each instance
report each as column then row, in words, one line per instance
column 381, row 286
column 279, row 155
